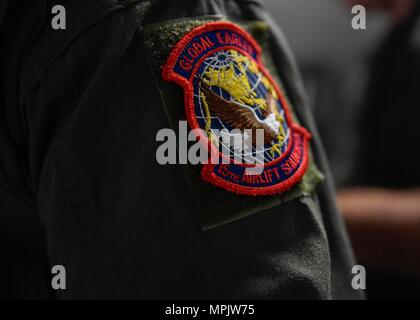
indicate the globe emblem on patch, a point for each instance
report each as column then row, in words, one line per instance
column 233, row 95
column 228, row 93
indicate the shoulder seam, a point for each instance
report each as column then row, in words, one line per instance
column 33, row 83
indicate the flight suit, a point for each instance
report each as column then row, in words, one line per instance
column 81, row 109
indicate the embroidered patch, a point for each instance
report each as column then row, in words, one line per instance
column 226, row 86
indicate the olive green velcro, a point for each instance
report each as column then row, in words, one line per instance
column 215, row 207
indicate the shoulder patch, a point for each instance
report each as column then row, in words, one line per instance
column 228, row 89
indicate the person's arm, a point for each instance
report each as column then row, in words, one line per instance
column 125, row 226
column 384, row 226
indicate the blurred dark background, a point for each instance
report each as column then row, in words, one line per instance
column 333, row 58
column 362, row 87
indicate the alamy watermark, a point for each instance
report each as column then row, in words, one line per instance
column 218, row 147
column 359, row 279
column 59, row 21
column 359, row 19
column 58, row 281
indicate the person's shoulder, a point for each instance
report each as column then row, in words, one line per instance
column 86, row 11
column 82, row 14
column 81, row 17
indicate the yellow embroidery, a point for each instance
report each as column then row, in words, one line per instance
column 233, row 79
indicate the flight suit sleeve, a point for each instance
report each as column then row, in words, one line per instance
column 126, row 227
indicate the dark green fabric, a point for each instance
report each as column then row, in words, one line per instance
column 80, row 114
